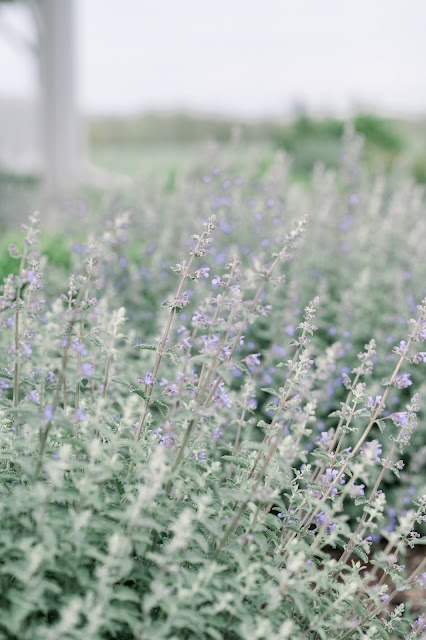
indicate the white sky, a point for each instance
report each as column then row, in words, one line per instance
column 240, row 57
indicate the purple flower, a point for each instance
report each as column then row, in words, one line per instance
column 422, row 579
column 4, row 384
column 34, row 396
column 222, row 396
column 373, row 404
column 217, row 433
column 184, row 299
column 329, row 477
column 319, row 520
column 253, row 359
column 87, row 369
column 204, row 272
column 166, row 440
column 184, row 344
column 200, row 320
column 357, row 490
column 27, row 349
column 400, row 418
column 419, row 357
column 392, row 519
column 51, row 376
column 79, row 416
column 31, row 277
column 226, row 352
column 10, row 321
column 324, row 438
column 403, row 380
column 171, row 391
column 80, row 348
column 421, row 334
column 420, row 623
column 48, row 412
column 149, row 379
column 372, row 449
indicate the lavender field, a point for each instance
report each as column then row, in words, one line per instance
column 212, row 402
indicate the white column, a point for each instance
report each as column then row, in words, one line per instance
column 59, row 114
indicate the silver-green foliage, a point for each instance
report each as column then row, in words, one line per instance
column 182, row 486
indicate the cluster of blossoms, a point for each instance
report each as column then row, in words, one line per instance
column 235, row 414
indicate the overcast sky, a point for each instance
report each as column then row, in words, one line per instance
column 240, row 57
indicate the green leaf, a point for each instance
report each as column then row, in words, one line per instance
column 95, row 341
column 241, row 366
column 225, row 374
column 263, row 425
column 252, row 445
column 271, row 406
column 237, row 461
column 317, row 453
column 271, row 391
column 360, row 553
column 161, row 406
column 139, row 392
column 145, row 346
column 170, row 353
column 381, row 424
column 120, row 381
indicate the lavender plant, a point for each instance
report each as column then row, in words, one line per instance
column 184, row 471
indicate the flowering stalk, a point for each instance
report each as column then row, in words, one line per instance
column 398, row 441
column 388, row 600
column 61, row 381
column 280, row 257
column 201, row 248
column 201, row 386
column 395, row 549
column 283, row 255
column 366, row 363
column 403, row 353
column 303, row 343
column 248, row 392
column 30, row 239
column 234, row 522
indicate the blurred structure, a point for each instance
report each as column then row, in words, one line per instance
column 55, row 22
column 58, row 118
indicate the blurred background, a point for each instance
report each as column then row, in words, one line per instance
column 99, row 93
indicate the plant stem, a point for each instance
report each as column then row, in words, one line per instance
column 163, row 341
column 380, row 608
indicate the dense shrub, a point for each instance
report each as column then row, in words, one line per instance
column 214, row 467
